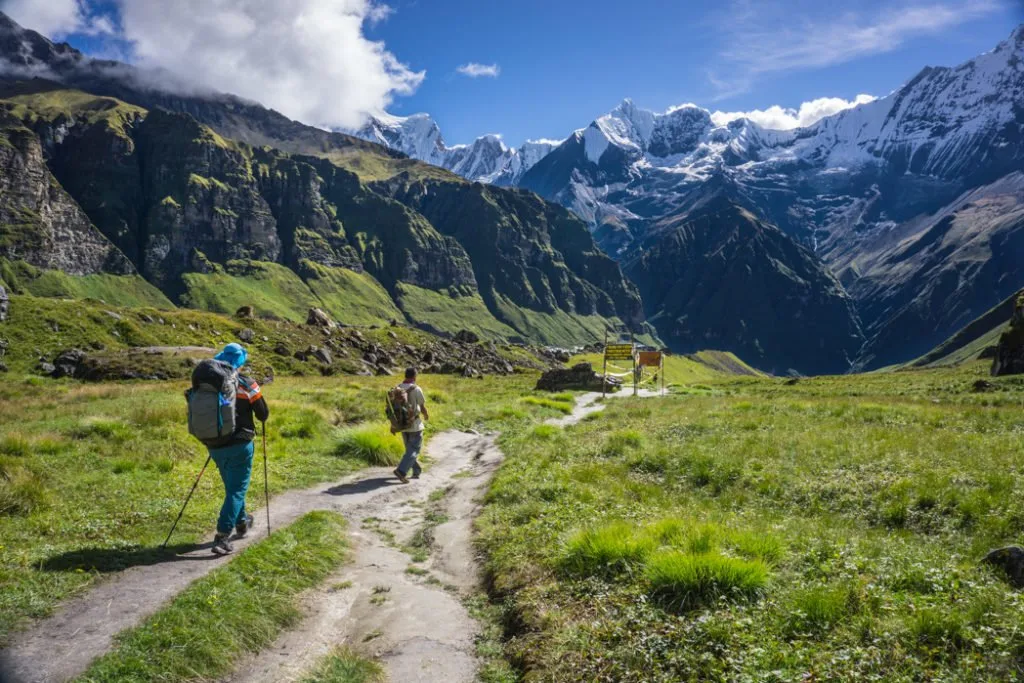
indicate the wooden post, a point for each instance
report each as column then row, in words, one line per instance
column 604, row 375
column 632, row 342
column 662, row 373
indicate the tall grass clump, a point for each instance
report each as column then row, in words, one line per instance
column 819, row 608
column 22, row 491
column 373, row 443
column 682, row 581
column 623, row 441
column 345, row 666
column 565, row 408
column 606, row 551
column 15, row 445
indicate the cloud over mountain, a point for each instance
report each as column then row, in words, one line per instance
column 780, row 118
column 309, row 59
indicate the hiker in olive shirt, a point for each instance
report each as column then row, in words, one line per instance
column 413, row 434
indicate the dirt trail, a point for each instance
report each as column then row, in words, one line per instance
column 414, row 623
column 62, row 646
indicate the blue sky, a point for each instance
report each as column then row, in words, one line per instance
column 556, row 64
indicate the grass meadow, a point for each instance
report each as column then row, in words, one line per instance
column 93, row 475
column 750, row 529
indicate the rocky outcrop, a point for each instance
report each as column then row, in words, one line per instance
column 1009, row 358
column 39, row 222
column 579, row 377
column 5, row 304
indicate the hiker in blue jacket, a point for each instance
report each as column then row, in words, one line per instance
column 234, row 461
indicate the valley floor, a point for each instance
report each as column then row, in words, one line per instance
column 740, row 528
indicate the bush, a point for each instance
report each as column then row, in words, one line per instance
column 606, row 551
column 373, row 443
column 683, row 581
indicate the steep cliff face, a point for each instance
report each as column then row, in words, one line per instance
column 201, row 200
column 40, row 223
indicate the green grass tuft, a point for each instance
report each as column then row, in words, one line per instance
column 564, row 408
column 345, row 666
column 605, row 551
column 373, row 443
column 682, row 581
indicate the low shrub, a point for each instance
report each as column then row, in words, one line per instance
column 21, row 490
column 15, row 445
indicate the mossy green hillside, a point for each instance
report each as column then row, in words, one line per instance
column 117, row 290
column 453, row 310
column 350, row 297
column 270, row 288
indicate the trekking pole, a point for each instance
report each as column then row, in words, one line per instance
column 175, row 525
column 266, row 481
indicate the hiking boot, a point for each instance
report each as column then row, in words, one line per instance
column 416, row 474
column 221, row 546
column 401, row 477
column 242, row 528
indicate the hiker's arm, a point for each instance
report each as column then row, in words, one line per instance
column 423, row 409
column 260, row 409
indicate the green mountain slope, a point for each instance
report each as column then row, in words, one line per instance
column 215, row 224
column 973, row 340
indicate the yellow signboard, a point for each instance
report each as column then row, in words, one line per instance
column 618, row 352
column 649, row 359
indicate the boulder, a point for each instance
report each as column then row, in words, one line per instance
column 321, row 354
column 1009, row 358
column 246, row 335
column 1011, row 560
column 466, row 337
column 319, row 318
column 245, row 312
column 46, row 368
column 5, row 304
column 66, row 364
column 282, row 350
column 580, row 376
column 3, row 366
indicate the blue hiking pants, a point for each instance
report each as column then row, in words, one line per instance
column 413, row 445
column 235, row 465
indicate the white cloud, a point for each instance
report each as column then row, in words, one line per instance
column 474, row 70
column 309, row 59
column 49, row 17
column 779, row 118
column 768, row 37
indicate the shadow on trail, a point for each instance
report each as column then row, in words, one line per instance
column 364, row 486
column 106, row 560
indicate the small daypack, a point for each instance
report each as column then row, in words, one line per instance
column 211, row 403
column 400, row 410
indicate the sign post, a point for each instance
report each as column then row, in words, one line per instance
column 604, row 372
